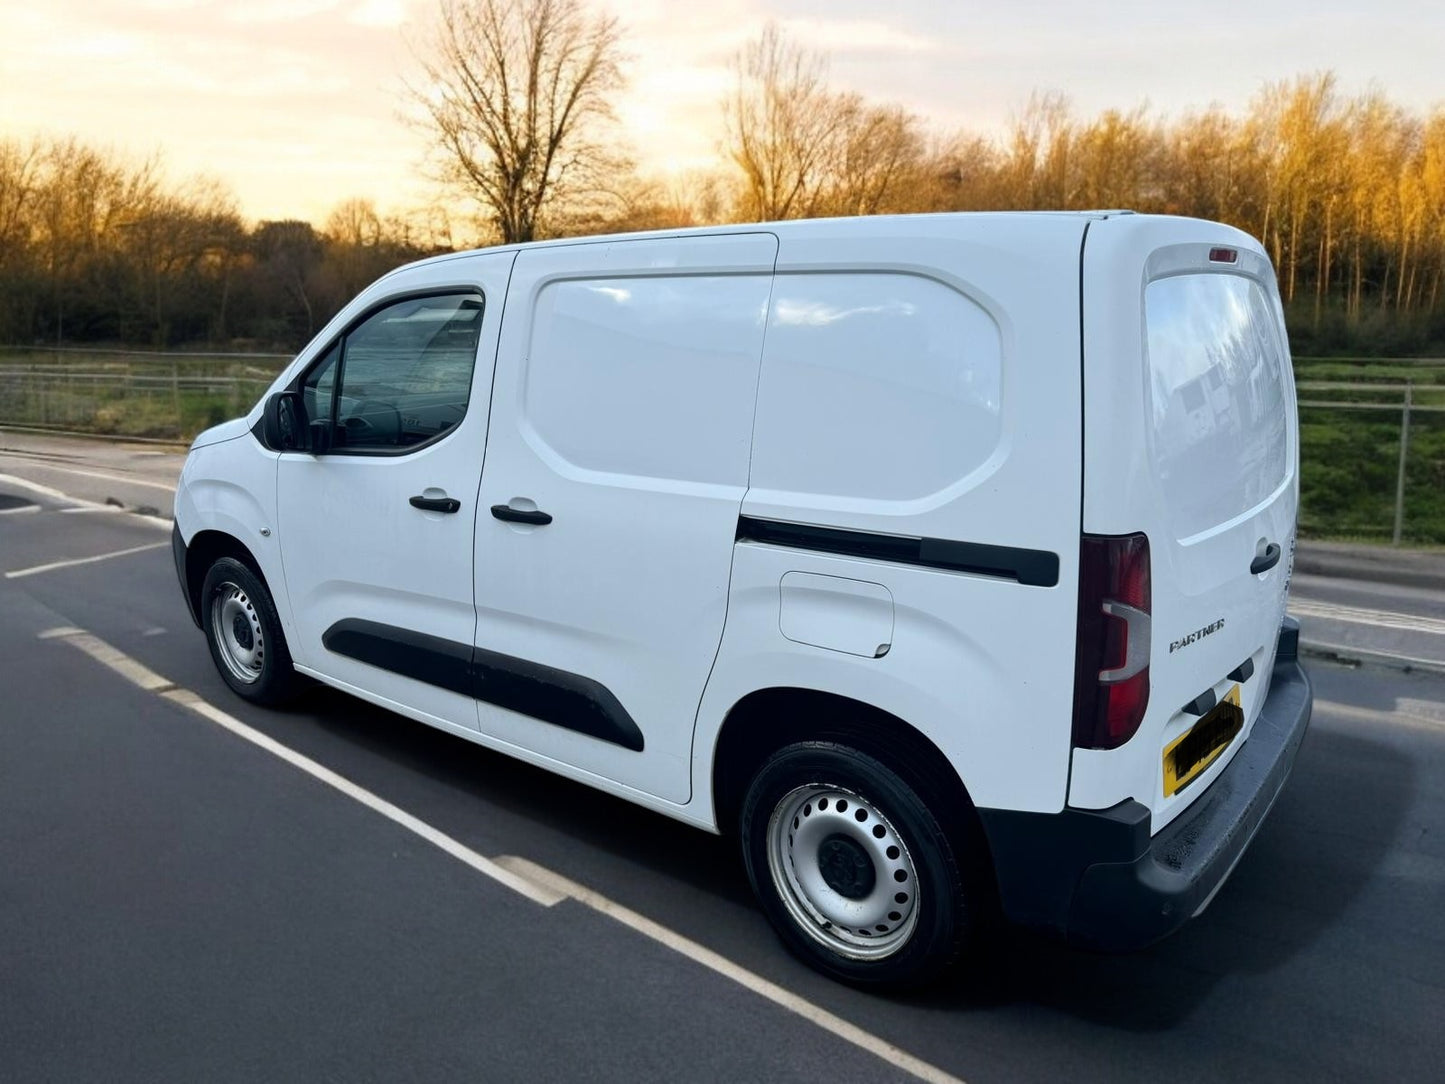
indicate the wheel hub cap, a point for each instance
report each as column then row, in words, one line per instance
column 846, row 867
column 241, row 629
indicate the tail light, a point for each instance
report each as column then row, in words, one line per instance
column 1111, row 662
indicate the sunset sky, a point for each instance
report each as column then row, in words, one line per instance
column 295, row 104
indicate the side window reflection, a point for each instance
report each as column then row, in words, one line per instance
column 400, row 378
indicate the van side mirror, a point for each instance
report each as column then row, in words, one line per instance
column 283, row 422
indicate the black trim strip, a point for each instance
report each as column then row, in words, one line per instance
column 553, row 696
column 1035, row 568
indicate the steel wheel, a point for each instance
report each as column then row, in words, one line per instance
column 854, row 868
column 842, row 871
column 238, row 633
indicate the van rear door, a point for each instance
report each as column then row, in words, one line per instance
column 1191, row 440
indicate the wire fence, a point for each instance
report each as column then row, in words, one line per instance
column 130, row 393
column 1372, row 431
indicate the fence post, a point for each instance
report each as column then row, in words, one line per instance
column 1404, row 452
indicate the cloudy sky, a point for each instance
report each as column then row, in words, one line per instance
column 295, row 104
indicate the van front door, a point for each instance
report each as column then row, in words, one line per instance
column 376, row 531
column 616, row 466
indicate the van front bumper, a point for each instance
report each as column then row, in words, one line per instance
column 1097, row 878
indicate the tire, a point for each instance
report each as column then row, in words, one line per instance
column 853, row 869
column 244, row 634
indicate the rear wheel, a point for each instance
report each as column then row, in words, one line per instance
column 852, row 867
column 244, row 634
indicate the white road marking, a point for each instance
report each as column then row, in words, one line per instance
column 79, row 502
column 528, row 879
column 134, row 672
column 22, row 510
column 34, row 487
column 124, row 479
column 786, row 999
column 147, row 679
column 111, row 509
column 1383, row 619
column 53, row 565
column 1373, row 715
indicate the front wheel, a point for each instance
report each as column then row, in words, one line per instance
column 244, row 634
column 853, row 869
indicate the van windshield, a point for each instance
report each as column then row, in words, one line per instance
column 1216, row 361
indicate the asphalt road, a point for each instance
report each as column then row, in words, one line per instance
column 176, row 903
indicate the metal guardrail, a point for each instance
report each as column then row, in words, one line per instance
column 1405, row 406
column 130, row 393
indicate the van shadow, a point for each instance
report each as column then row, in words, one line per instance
column 1330, row 831
column 1303, row 870
column 573, row 811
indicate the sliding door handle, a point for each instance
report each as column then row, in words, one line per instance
column 436, row 504
column 521, row 515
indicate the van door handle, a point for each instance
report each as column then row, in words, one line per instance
column 436, row 504
column 520, row 515
column 1266, row 560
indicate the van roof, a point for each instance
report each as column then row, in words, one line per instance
column 790, row 228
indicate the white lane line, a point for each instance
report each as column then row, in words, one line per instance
column 78, row 502
column 124, row 479
column 147, row 679
column 22, row 510
column 53, row 565
column 34, row 487
column 112, row 509
column 1384, row 619
column 1373, row 715
column 127, row 667
column 779, row 996
column 534, row 882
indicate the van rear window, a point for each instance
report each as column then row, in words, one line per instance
column 1217, row 396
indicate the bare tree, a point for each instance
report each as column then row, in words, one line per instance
column 517, row 96
column 805, row 150
column 876, row 148
column 782, row 123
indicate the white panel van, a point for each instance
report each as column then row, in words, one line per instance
column 941, row 559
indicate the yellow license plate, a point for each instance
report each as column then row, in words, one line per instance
column 1187, row 756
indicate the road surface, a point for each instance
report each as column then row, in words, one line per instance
column 194, row 888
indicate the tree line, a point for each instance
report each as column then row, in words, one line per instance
column 95, row 248
column 515, row 98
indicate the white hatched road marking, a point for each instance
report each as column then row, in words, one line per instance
column 53, row 565
column 44, row 464
column 534, row 882
column 77, row 502
column 1383, row 619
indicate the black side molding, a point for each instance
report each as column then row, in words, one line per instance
column 553, row 696
column 432, row 659
column 1034, row 568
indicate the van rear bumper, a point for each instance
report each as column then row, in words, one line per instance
column 1097, row 878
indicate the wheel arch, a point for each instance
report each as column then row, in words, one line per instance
column 205, row 549
column 766, row 720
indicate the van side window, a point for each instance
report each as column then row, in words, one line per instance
column 881, row 386
column 648, row 377
column 401, row 377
